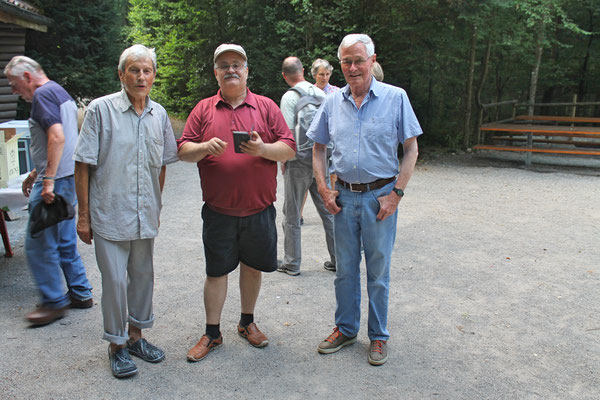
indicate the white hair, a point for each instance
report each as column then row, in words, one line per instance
column 318, row 63
column 18, row 65
column 137, row 52
column 352, row 39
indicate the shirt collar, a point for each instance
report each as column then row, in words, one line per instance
column 125, row 104
column 374, row 90
column 249, row 100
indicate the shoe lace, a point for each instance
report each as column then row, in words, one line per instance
column 336, row 333
column 377, row 346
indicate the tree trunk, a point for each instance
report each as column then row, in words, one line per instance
column 484, row 72
column 534, row 78
column 541, row 31
column 469, row 94
column 584, row 66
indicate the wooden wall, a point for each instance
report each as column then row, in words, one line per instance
column 12, row 43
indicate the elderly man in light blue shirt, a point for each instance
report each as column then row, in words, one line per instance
column 366, row 121
column 125, row 143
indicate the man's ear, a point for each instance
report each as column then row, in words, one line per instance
column 27, row 76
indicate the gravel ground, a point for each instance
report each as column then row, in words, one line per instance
column 494, row 295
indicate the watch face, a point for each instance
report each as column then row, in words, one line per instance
column 399, row 192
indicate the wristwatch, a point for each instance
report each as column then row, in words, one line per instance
column 399, row 192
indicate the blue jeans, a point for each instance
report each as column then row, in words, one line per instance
column 53, row 253
column 355, row 222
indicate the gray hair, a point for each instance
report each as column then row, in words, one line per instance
column 352, row 39
column 137, row 52
column 318, row 63
column 21, row 64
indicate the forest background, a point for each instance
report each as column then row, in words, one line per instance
column 451, row 56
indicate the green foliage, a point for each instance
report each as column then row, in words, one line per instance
column 424, row 46
column 80, row 51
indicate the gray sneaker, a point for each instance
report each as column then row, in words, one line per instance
column 285, row 270
column 378, row 352
column 329, row 266
column 335, row 342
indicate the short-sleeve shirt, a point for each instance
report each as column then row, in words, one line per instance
column 237, row 184
column 125, row 152
column 50, row 105
column 365, row 141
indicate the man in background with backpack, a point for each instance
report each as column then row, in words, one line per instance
column 299, row 105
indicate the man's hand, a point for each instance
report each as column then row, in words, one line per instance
column 253, row 147
column 48, row 191
column 28, row 183
column 329, row 196
column 388, row 205
column 215, row 147
column 84, row 229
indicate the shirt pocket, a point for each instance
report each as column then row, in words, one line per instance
column 154, row 150
column 380, row 130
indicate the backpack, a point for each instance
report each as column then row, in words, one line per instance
column 305, row 111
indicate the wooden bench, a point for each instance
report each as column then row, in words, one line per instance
column 517, row 131
column 555, row 118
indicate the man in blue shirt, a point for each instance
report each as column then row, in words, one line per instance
column 52, row 253
column 366, row 121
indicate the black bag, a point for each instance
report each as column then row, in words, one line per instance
column 46, row 215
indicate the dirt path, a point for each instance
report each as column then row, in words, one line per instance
column 494, row 295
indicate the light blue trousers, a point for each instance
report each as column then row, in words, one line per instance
column 355, row 222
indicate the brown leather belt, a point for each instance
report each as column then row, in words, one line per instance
column 366, row 187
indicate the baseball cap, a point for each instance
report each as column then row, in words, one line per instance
column 236, row 48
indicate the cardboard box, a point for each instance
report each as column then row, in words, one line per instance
column 9, row 155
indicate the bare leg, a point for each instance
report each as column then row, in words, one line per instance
column 135, row 333
column 215, row 293
column 250, row 281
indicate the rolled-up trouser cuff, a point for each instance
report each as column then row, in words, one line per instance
column 141, row 324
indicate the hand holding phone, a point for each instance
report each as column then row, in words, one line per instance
column 238, row 138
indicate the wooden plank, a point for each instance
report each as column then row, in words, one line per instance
column 8, row 106
column 8, row 114
column 553, row 118
column 578, row 143
column 9, row 98
column 538, row 150
column 545, row 130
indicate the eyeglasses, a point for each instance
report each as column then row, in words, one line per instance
column 359, row 62
column 236, row 67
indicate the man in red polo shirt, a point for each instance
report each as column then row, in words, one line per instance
column 238, row 190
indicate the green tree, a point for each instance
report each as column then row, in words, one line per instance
column 80, row 51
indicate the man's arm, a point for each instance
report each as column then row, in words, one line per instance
column 278, row 151
column 194, row 152
column 161, row 177
column 56, row 142
column 320, row 171
column 82, row 181
column 389, row 203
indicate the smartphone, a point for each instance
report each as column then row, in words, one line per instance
column 238, row 138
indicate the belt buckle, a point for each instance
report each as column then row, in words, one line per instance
column 354, row 191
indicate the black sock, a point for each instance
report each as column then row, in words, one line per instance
column 246, row 319
column 213, row 331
